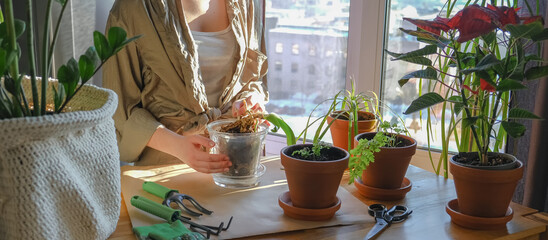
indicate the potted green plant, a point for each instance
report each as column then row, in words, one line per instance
column 351, row 113
column 241, row 140
column 313, row 171
column 380, row 160
column 59, row 161
column 482, row 82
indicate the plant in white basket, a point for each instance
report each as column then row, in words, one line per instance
column 59, row 161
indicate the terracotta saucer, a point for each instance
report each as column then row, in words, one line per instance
column 472, row 222
column 306, row 213
column 381, row 193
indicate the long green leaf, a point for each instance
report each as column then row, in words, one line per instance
column 513, row 129
column 416, row 59
column 485, row 63
column 519, row 113
column 103, row 48
column 427, row 73
column 540, row 36
column 510, row 85
column 525, row 30
column 425, row 101
column 536, row 72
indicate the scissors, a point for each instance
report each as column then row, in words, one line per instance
column 385, row 217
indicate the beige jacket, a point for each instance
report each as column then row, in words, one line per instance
column 158, row 79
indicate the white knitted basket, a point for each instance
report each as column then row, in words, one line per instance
column 60, row 173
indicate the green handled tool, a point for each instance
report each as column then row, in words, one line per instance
column 171, row 215
column 173, row 196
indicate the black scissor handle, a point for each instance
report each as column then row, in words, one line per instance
column 397, row 213
column 377, row 210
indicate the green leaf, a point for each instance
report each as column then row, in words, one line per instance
column 427, row 73
column 416, row 59
column 513, row 129
column 9, row 84
column 69, row 76
column 540, row 36
column 536, row 72
column 525, row 30
column 3, row 60
column 86, row 68
column 484, row 64
column 509, row 85
column 58, row 96
column 62, row 2
column 428, row 50
column 92, row 55
column 104, row 50
column 19, row 27
column 427, row 37
column 116, row 36
column 425, row 101
column 490, row 37
column 469, row 121
column 457, row 101
column 519, row 113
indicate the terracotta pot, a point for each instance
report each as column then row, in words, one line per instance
column 314, row 184
column 339, row 129
column 390, row 164
column 485, row 193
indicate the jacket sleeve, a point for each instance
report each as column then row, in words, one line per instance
column 256, row 64
column 122, row 73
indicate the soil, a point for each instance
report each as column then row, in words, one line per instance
column 246, row 124
column 472, row 158
column 326, row 154
column 362, row 116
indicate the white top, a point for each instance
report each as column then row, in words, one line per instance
column 216, row 55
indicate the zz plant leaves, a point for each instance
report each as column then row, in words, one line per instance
column 104, row 50
column 86, row 68
column 425, row 101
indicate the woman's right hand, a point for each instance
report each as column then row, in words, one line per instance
column 190, row 150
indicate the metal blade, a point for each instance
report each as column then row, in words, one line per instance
column 379, row 226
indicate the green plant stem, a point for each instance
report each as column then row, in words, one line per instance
column 463, row 95
column 14, row 67
column 32, row 64
column 56, row 33
column 45, row 48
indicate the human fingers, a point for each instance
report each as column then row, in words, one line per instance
column 212, row 163
column 201, row 140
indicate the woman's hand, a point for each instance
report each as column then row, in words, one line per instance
column 189, row 149
column 241, row 107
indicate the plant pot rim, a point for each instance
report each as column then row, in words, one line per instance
column 213, row 126
column 412, row 145
column 346, row 156
column 346, row 120
column 508, row 166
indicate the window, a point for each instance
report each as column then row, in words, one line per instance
column 307, row 26
column 312, row 50
column 295, row 49
column 278, row 66
column 294, row 67
column 279, row 48
column 312, row 70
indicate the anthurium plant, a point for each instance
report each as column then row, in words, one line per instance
column 482, row 79
column 71, row 76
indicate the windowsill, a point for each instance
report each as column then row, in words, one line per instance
column 421, row 159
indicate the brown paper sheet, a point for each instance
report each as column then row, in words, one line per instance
column 256, row 210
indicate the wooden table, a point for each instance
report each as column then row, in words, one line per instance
column 429, row 220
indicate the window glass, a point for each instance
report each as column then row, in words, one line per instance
column 399, row 98
column 316, row 32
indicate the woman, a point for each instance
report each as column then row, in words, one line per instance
column 197, row 61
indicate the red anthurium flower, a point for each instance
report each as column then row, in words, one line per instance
column 474, row 22
column 470, row 89
column 435, row 26
column 527, row 20
column 486, row 86
column 503, row 15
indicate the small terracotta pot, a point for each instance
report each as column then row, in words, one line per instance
column 485, row 193
column 339, row 129
column 314, row 184
column 390, row 164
